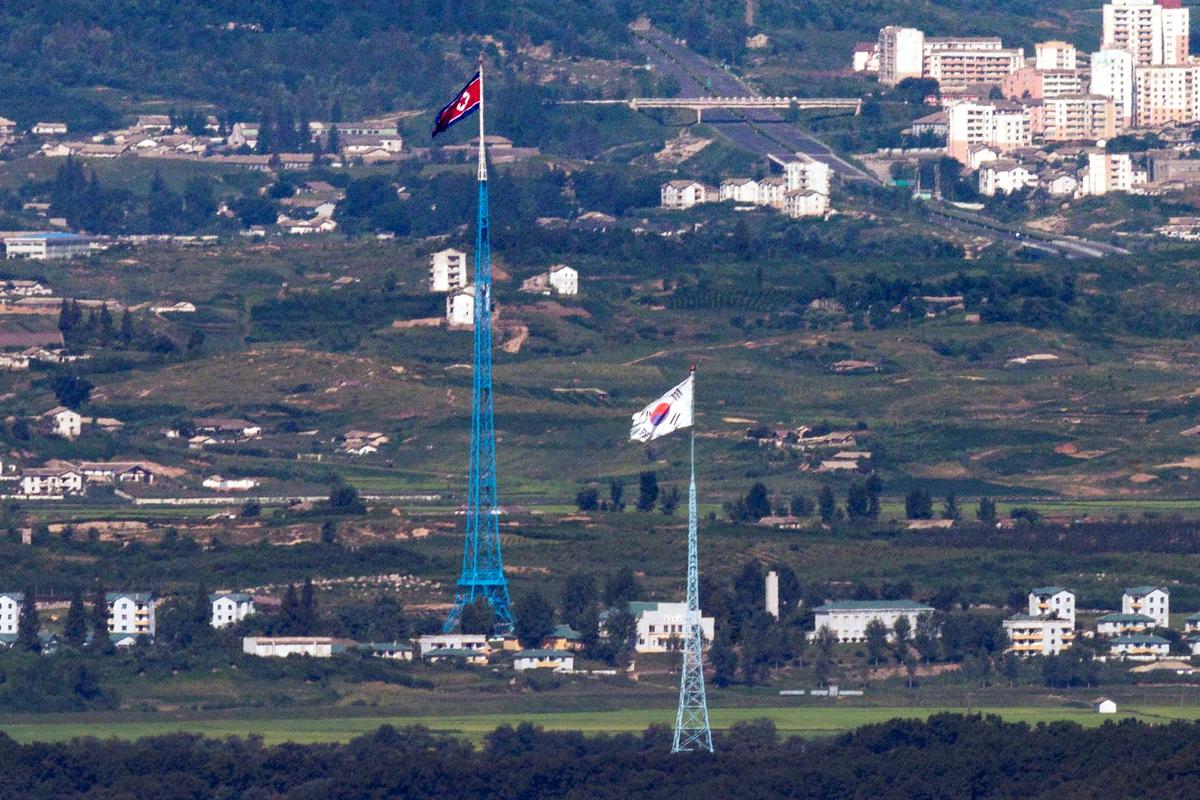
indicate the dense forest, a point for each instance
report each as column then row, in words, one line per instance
column 948, row 756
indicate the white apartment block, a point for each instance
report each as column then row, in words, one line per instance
column 564, row 280
column 1152, row 31
column 10, row 612
column 1054, row 55
column 1005, row 177
column 1112, row 76
column 1109, row 172
column 771, row 191
column 1035, row 635
column 1002, row 126
column 739, row 190
column 51, row 482
column 453, row 641
column 460, row 307
column 1078, row 118
column 1123, row 624
column 1052, row 600
column 1139, row 647
column 805, row 203
column 447, row 270
column 230, row 607
column 1153, row 601
column 131, row 613
column 955, row 67
column 1165, row 94
column 847, row 620
column 660, row 626
column 284, row 646
column 808, row 176
column 685, row 194
column 901, row 54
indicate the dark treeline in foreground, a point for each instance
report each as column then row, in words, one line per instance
column 949, row 756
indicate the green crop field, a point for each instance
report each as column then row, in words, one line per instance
column 796, row 721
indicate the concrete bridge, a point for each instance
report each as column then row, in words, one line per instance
column 699, row 104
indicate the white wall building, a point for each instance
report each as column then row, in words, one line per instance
column 685, row 194
column 1108, row 172
column 284, row 646
column 1053, row 600
column 901, row 54
column 1163, row 94
column 847, row 620
column 1054, row 55
column 812, row 176
column 447, row 270
column 805, row 203
column 230, row 607
column 460, row 307
column 43, row 246
column 739, row 190
column 1139, row 647
column 1112, row 77
column 557, row 660
column 564, row 280
column 65, row 423
column 1122, row 624
column 1153, row 31
column 1001, row 125
column 660, row 626
column 51, row 482
column 1038, row 635
column 10, row 612
column 453, row 641
column 1005, row 177
column 1153, row 601
column 131, row 612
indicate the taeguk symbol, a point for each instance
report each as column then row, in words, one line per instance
column 659, row 413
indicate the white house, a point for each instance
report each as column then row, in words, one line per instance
column 42, row 246
column 229, row 484
column 230, row 607
column 564, row 280
column 1052, row 600
column 1122, row 624
column 1038, row 635
column 284, row 646
column 1103, row 705
column 685, row 194
column 1153, row 601
column 447, row 270
column 1193, row 643
column 771, row 191
column 1061, row 184
column 557, row 660
column 395, row 651
column 460, row 307
column 64, row 422
column 1139, row 647
column 1005, row 177
column 847, row 620
column 51, row 482
column 660, row 626
column 739, row 190
column 804, row 203
column 49, row 129
column 453, row 641
column 131, row 612
column 10, row 612
column 812, row 176
column 1191, row 624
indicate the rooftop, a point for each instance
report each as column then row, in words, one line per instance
column 544, row 654
column 1050, row 590
column 1140, row 639
column 1125, row 618
column 874, row 605
column 1144, row 590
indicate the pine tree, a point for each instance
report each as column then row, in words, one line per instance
column 827, row 504
column 126, row 327
column 75, row 628
column 329, row 532
column 100, row 638
column 290, row 610
column 334, row 142
column 105, row 323
column 308, row 606
column 28, row 624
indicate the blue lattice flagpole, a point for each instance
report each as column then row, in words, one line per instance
column 482, row 565
column 692, row 731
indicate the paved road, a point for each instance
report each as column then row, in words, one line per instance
column 764, row 131
column 1071, row 247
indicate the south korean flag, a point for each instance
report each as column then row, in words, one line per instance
column 668, row 413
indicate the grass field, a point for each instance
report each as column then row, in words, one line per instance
column 794, row 721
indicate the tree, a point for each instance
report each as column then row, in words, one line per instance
column 827, row 504
column 918, row 505
column 877, row 635
column 329, row 532
column 308, row 606
column 901, row 631
column 289, row 611
column 535, row 618
column 28, row 624
column 951, row 510
column 587, row 499
column 100, row 640
column 621, row 629
column 616, row 493
column 874, row 490
column 75, row 627
column 668, row 502
column 477, row 617
column 620, row 587
column 800, row 506
column 343, row 498
column 647, row 491
column 578, row 599
column 71, row 390
column 758, row 502
column 251, row 509
column 987, row 510
column 723, row 660
column 858, row 501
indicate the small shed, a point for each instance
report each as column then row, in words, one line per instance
column 1104, row 705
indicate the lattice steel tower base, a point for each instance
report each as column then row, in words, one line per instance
column 692, row 731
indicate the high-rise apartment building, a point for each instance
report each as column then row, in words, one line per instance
column 901, row 54
column 1154, row 32
column 1112, row 76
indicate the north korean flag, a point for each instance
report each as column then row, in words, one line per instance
column 461, row 106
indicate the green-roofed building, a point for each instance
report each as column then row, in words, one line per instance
column 847, row 620
column 557, row 660
column 1054, row 600
column 1153, row 601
